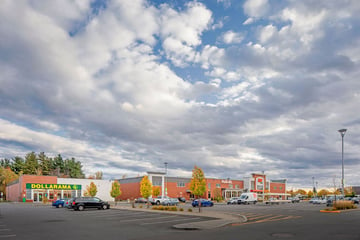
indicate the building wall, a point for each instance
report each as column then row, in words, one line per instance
column 129, row 190
column 230, row 185
column 103, row 186
column 24, row 179
column 13, row 192
column 278, row 188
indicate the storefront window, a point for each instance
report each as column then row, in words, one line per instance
column 28, row 193
column 51, row 195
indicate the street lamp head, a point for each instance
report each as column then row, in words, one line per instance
column 342, row 131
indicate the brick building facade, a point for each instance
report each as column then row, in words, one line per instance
column 180, row 187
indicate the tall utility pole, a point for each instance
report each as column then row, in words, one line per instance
column 313, row 178
column 264, row 185
column 342, row 133
column 165, row 178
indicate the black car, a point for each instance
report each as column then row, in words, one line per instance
column 81, row 203
column 181, row 199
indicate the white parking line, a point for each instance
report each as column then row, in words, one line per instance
column 144, row 217
column 176, row 220
column 7, row 236
column 123, row 215
column 159, row 218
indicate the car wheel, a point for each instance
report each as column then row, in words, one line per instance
column 104, row 207
column 81, row 208
column 60, row 205
column 255, row 202
column 157, row 203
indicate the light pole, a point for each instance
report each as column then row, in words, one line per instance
column 313, row 178
column 165, row 178
column 342, row 133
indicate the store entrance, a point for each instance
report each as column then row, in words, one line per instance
column 38, row 196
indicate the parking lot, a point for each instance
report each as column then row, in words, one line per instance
column 31, row 221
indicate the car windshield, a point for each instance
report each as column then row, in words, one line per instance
column 242, row 196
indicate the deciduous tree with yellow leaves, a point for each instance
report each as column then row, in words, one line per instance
column 198, row 183
column 145, row 188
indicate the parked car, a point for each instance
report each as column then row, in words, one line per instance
column 141, row 200
column 233, row 200
column 170, row 202
column 330, row 200
column 295, row 200
column 203, row 202
column 182, row 199
column 355, row 200
column 59, row 203
column 67, row 203
column 81, row 203
column 159, row 200
column 320, row 201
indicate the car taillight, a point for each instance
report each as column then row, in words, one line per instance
column 73, row 203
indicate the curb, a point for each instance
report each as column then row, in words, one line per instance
column 324, row 211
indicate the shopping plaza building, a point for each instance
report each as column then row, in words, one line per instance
column 180, row 187
column 30, row 188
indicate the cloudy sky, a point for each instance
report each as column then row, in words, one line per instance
column 234, row 87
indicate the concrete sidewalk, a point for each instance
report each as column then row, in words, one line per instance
column 219, row 219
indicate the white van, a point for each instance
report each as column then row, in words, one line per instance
column 247, row 198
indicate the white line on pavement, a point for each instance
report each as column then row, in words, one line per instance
column 7, row 236
column 176, row 220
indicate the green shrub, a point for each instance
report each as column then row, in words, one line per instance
column 181, row 209
column 173, row 208
column 189, row 210
column 140, row 206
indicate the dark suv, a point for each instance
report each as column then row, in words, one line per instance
column 80, row 203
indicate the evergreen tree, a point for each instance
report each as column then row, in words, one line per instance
column 18, row 165
column 5, row 163
column 31, row 165
column 45, row 164
column 73, row 168
column 58, row 165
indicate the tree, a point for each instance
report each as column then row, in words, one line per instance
column 6, row 176
column 73, row 168
column 31, row 165
column 217, row 194
column 310, row 194
column 5, row 163
column 99, row 175
column 301, row 192
column 18, row 165
column 198, row 183
column 45, row 164
column 156, row 191
column 145, row 188
column 58, row 165
column 91, row 190
column 323, row 192
column 115, row 191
